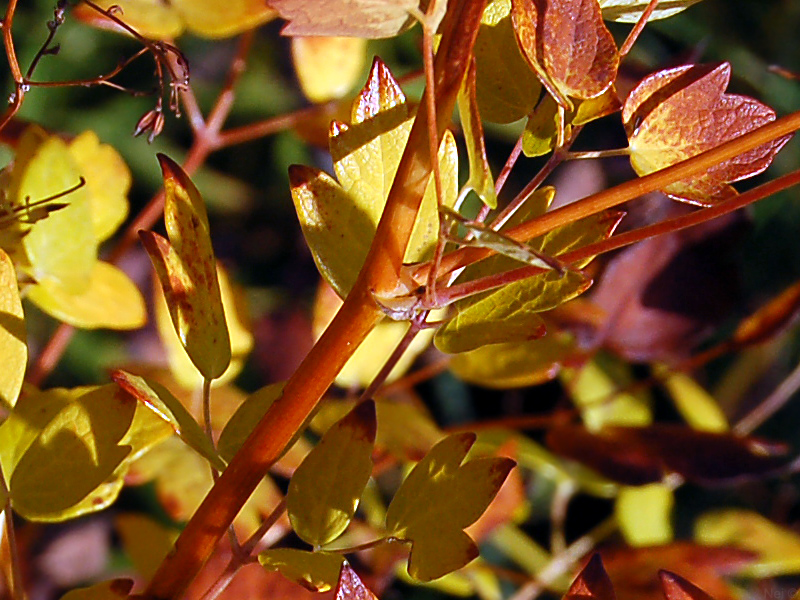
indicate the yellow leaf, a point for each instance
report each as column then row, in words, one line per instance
column 439, row 498
column 328, row 67
column 315, row 571
column 694, row 403
column 65, row 451
column 644, row 514
column 325, row 489
column 186, row 269
column 515, row 364
column 145, row 541
column 62, row 247
column 108, row 180
column 597, row 394
column 110, row 299
column 480, row 174
column 506, row 88
column 166, row 406
column 238, row 322
column 629, row 11
column 541, row 128
column 13, row 338
column 115, row 589
column 339, row 219
column 364, row 18
column 777, row 548
column 158, row 20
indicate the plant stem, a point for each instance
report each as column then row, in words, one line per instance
column 355, row 319
column 16, row 587
column 624, row 192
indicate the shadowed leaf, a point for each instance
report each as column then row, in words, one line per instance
column 13, row 338
column 480, row 174
column 677, row 588
column 315, row 571
column 325, row 489
column 115, row 589
column 592, row 583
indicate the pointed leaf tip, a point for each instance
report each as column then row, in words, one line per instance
column 592, row 582
column 677, row 588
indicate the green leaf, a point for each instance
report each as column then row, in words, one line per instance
column 339, row 219
column 249, row 413
column 187, row 271
column 315, row 571
column 110, row 299
column 439, row 498
column 13, row 338
column 161, row 401
column 777, row 548
column 506, row 88
column 65, row 452
column 116, row 589
column 325, row 489
column 644, row 514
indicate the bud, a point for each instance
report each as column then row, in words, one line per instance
column 152, row 121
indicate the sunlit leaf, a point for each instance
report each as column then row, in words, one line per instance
column 350, row 586
column 325, row 489
column 115, row 589
column 63, row 246
column 146, row 542
column 237, row 319
column 328, row 67
column 159, row 20
column 339, row 219
column 13, row 338
column 505, row 88
column 641, row 455
column 480, row 174
column 515, row 364
column 677, row 113
column 439, row 498
column 107, row 180
column 644, row 514
column 186, row 269
column 364, row 18
column 629, row 11
column 109, row 300
column 65, row 451
column 777, row 548
column 315, row 571
column 694, row 403
column 166, row 406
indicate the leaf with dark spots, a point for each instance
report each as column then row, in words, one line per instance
column 640, row 455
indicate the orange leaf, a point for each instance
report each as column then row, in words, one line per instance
column 677, row 588
column 678, row 113
column 591, row 583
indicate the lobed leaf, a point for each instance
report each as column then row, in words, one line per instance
column 439, row 498
column 186, row 269
column 13, row 337
column 678, row 113
column 325, row 489
column 162, row 21
column 315, row 571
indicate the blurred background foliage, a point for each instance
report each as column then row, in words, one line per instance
column 256, row 234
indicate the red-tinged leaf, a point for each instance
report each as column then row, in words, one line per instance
column 640, row 455
column 186, row 269
column 770, row 319
column 591, row 583
column 350, row 586
column 635, row 571
column 677, row 588
column 352, row 18
column 578, row 51
column 678, row 113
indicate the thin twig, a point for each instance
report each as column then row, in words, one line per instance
column 770, row 405
column 638, row 28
